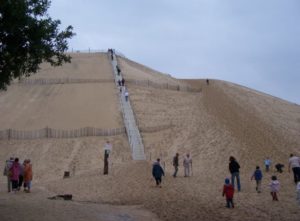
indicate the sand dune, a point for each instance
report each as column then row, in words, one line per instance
column 224, row 119
column 64, row 106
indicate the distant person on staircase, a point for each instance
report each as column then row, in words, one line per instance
column 126, row 94
column 118, row 70
column 187, row 164
column 234, row 169
column 123, row 82
column 207, row 81
column 175, row 164
column 112, row 54
column 157, row 172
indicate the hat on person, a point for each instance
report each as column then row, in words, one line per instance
column 227, row 181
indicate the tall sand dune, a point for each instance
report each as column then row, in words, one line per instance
column 223, row 119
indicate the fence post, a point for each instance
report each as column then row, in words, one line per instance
column 9, row 134
column 47, row 132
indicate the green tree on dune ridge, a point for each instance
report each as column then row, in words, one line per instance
column 28, row 37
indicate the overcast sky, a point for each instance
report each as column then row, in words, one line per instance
column 253, row 43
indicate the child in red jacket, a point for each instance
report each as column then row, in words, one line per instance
column 228, row 191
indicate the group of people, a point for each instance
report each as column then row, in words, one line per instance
column 158, row 172
column 18, row 175
column 274, row 185
column 123, row 89
column 234, row 168
column 121, row 83
column 187, row 165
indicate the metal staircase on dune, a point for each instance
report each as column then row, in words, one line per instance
column 133, row 133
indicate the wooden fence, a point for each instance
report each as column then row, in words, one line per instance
column 56, row 133
column 167, row 86
column 64, row 81
column 155, row 128
column 47, row 132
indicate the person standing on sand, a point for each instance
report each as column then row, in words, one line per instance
column 107, row 151
column 267, row 164
column 27, row 176
column 294, row 163
column 234, row 169
column 187, row 164
column 257, row 175
column 274, row 188
column 15, row 172
column 175, row 164
column 228, row 191
column 298, row 192
column 6, row 172
column 157, row 172
column 21, row 176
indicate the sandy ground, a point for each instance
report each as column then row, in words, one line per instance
column 135, row 71
column 83, row 66
column 223, row 120
column 64, row 106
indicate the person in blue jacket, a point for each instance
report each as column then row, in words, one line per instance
column 257, row 175
column 157, row 172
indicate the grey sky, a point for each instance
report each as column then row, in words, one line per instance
column 254, row 43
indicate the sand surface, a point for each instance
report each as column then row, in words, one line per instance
column 64, row 106
column 223, row 120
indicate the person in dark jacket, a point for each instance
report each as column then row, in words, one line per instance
column 175, row 164
column 157, row 172
column 234, row 169
column 118, row 70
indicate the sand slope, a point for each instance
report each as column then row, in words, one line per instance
column 64, row 106
column 223, row 120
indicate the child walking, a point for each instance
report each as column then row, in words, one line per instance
column 228, row 191
column 274, row 187
column 257, row 175
column 267, row 164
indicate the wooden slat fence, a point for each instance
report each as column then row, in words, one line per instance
column 42, row 81
column 57, row 133
column 155, row 128
column 166, row 86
